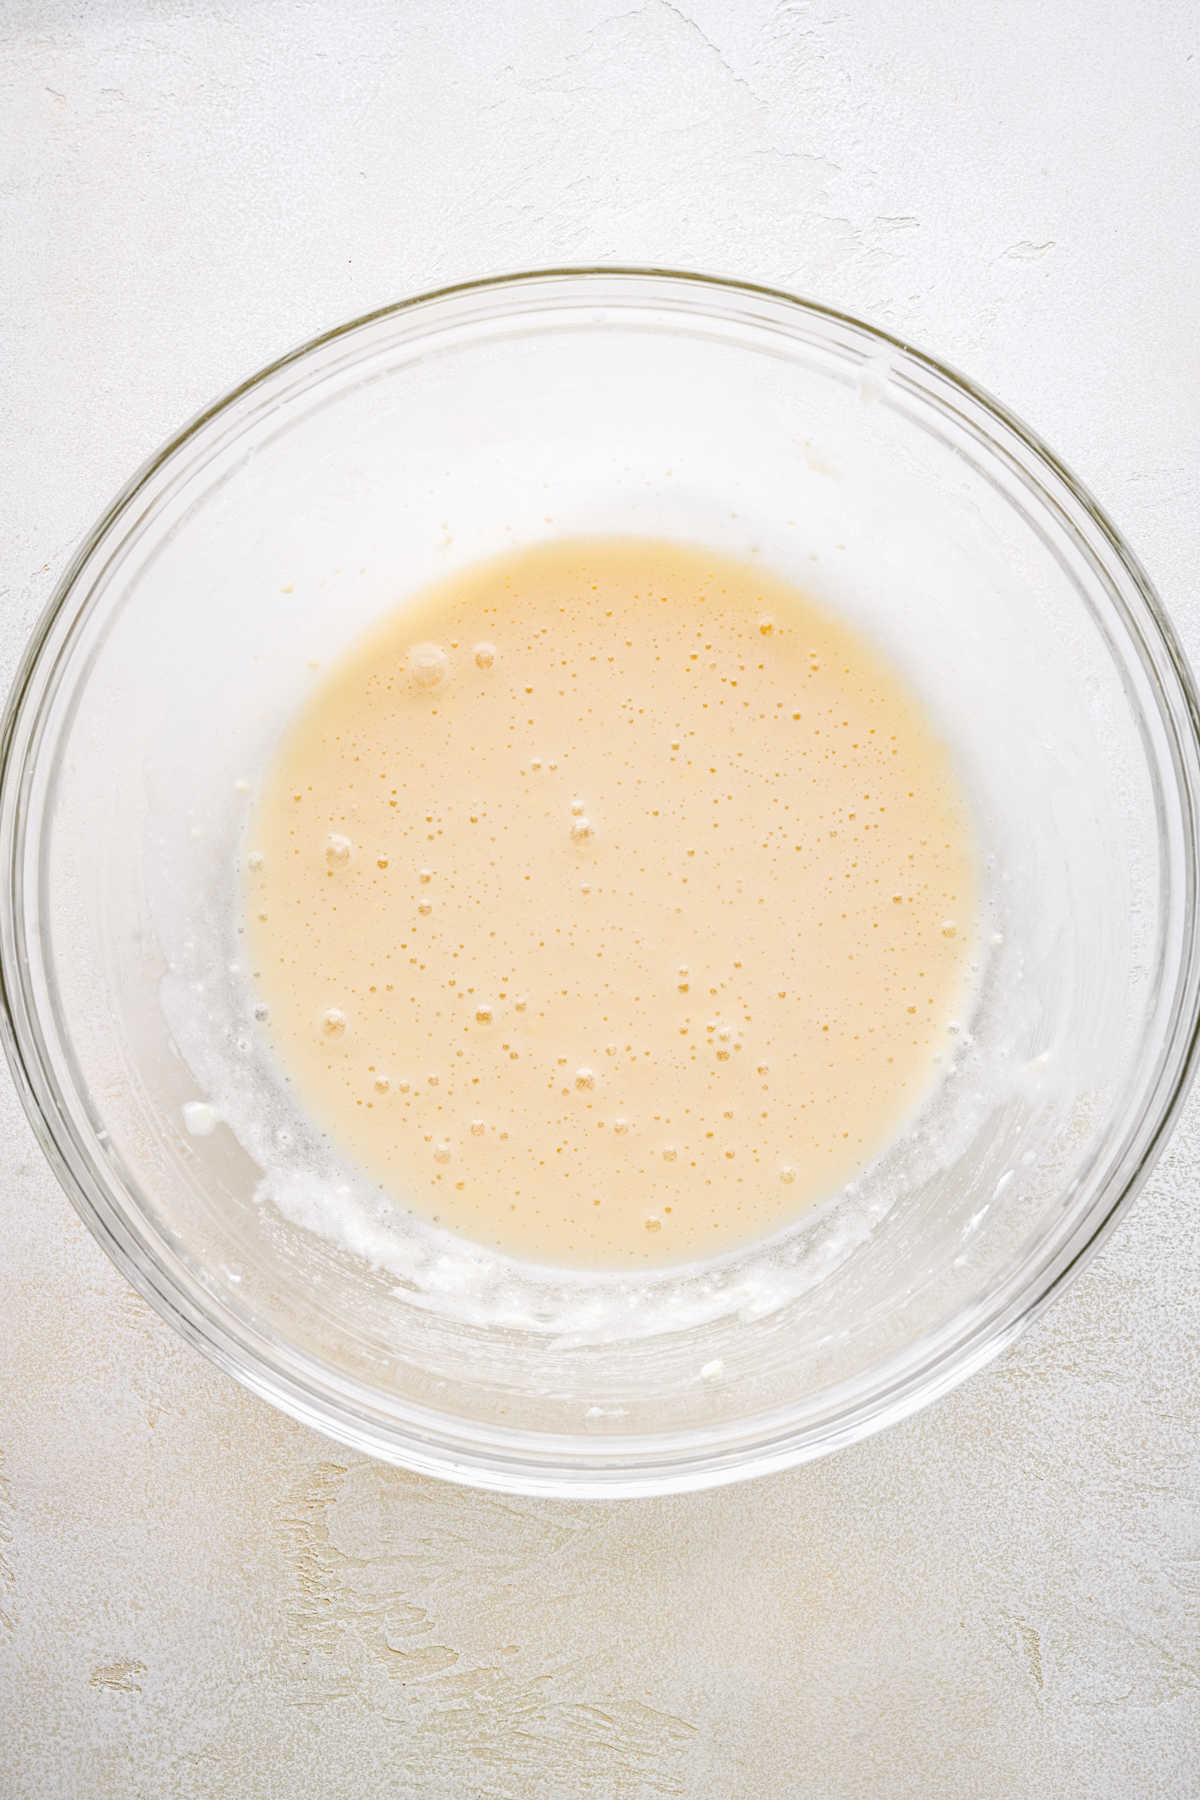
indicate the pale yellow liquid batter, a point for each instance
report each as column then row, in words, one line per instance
column 611, row 903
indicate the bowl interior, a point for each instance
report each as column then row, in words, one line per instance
column 408, row 446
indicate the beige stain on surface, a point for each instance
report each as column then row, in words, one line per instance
column 8, row 1578
column 406, row 1597
column 119, row 1677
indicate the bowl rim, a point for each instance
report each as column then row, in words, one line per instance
column 608, row 1467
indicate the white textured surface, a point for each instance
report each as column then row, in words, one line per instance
column 199, row 1599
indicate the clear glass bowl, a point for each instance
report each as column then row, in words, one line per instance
column 270, row 532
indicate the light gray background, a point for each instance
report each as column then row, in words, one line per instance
column 198, row 1598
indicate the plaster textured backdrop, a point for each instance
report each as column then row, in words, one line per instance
column 198, row 1599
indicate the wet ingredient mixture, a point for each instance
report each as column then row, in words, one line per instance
column 610, row 903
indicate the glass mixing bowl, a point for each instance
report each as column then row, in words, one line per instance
column 266, row 537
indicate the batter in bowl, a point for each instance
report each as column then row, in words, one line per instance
column 611, row 903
